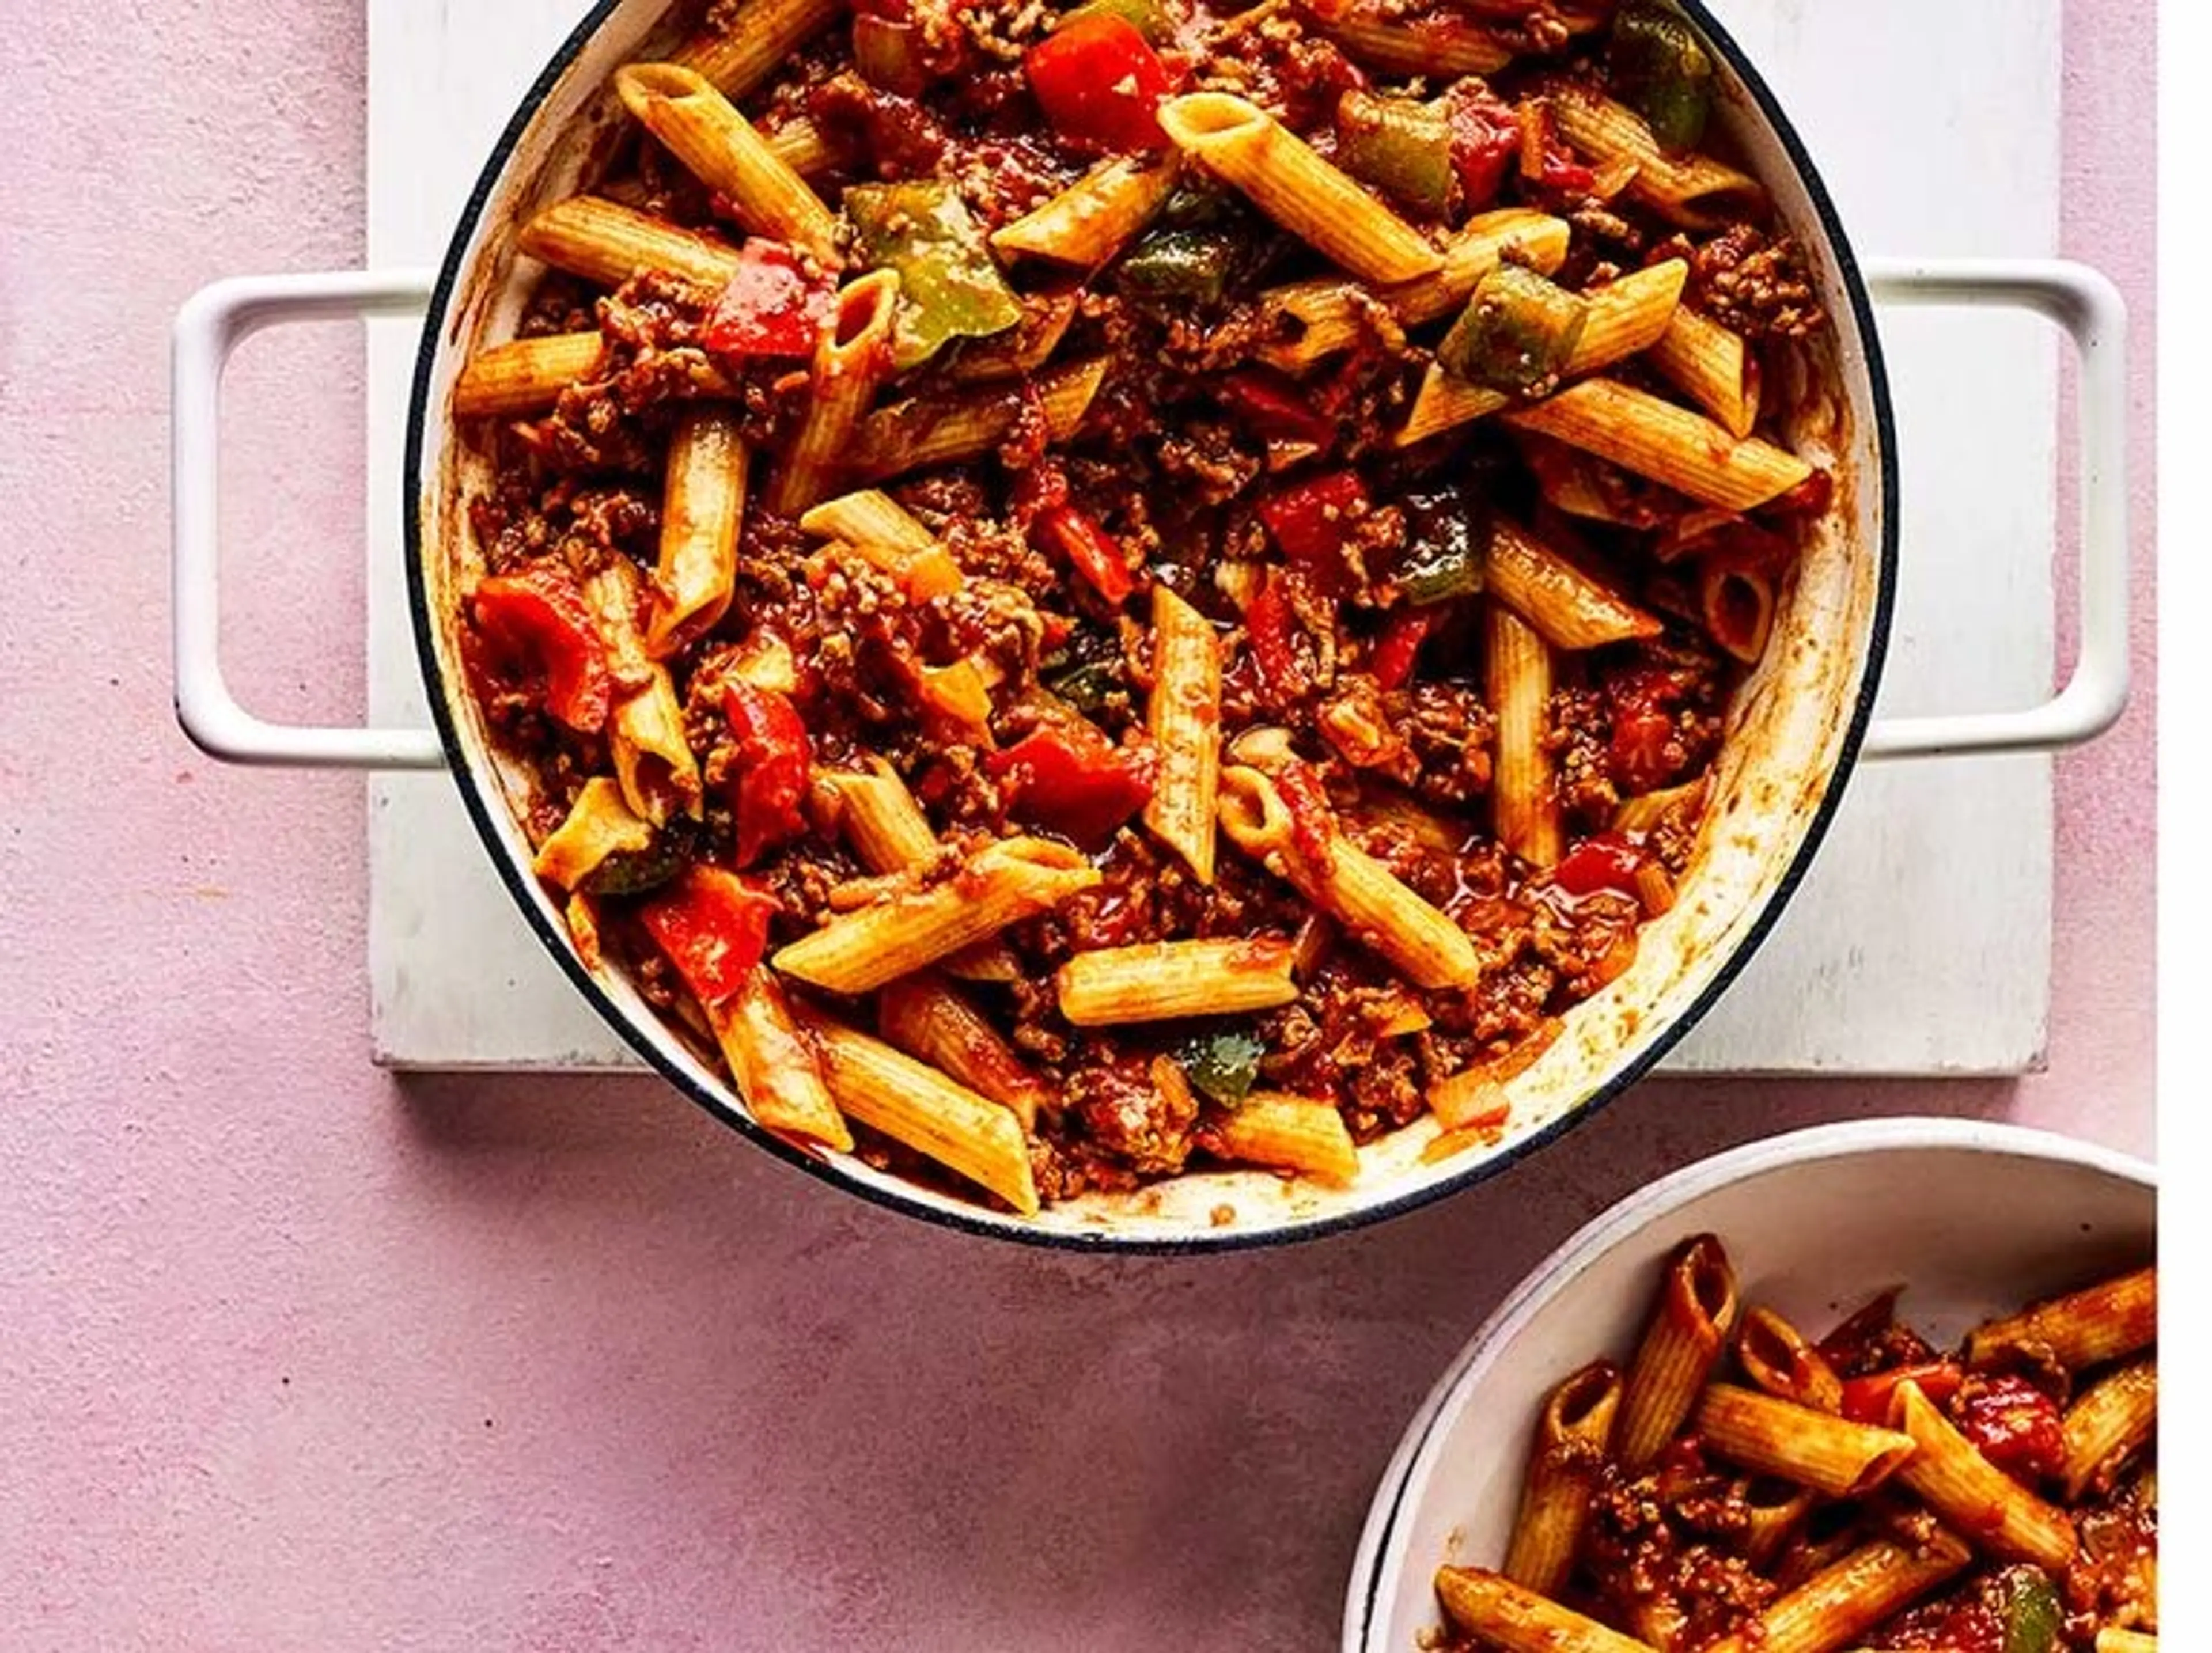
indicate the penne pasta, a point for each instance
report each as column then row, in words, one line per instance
column 1023, row 348
column 525, row 375
column 1517, row 676
column 1160, row 981
column 720, row 147
column 1442, row 47
column 1774, row 1512
column 852, row 359
column 883, row 532
column 1564, row 606
column 1184, row 717
column 910, row 1101
column 804, row 147
column 774, row 1070
column 1736, row 603
column 940, row 430
column 2113, row 1318
column 925, row 1016
column 1096, row 216
column 606, row 242
column 1013, row 879
column 1325, row 316
column 1713, row 367
column 1774, row 1437
column 2107, row 1425
column 1841, row 1603
column 645, row 736
column 1950, row 1475
column 1684, row 450
column 1352, row 886
column 1286, row 178
column 2112, row 1639
column 1625, row 317
column 1696, row 192
column 1682, row 1342
column 1775, row 1355
column 702, row 503
column 1572, row 1432
column 598, row 825
column 750, row 42
column 1290, row 1133
column 1499, row 1613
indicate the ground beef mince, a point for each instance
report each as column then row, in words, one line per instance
column 934, row 584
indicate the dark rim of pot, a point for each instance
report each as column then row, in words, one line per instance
column 475, row 794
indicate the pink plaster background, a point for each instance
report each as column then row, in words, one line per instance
column 299, row 1356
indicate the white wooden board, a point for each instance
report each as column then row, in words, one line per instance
column 1921, row 942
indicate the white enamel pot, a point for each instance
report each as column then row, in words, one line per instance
column 1803, row 721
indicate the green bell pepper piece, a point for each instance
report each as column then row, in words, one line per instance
column 1663, row 71
column 1187, row 266
column 1518, row 333
column 2029, row 1610
column 1398, row 146
column 949, row 287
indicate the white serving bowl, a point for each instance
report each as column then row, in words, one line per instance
column 1973, row 1219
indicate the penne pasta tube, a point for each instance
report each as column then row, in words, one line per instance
column 720, row 148
column 1829, row 1454
column 1286, row 178
column 645, row 736
column 2112, row 1639
column 1775, row 1512
column 1500, row 1613
column 749, row 43
column 1324, row 316
column 1775, row 1355
column 1183, row 714
column 1290, row 1133
column 702, row 503
column 1518, row 674
column 1736, row 603
column 1713, row 367
column 1682, row 1342
column 1625, row 317
column 1564, row 606
column 2107, row 1425
column 1572, row 1432
column 852, row 359
column 1949, row 1474
column 938, row 430
column 926, row 1016
column 525, row 375
column 608, row 243
column 883, row 532
column 1430, row 46
column 1010, row 880
column 1671, row 444
column 1840, row 1603
column 804, row 147
column 598, row 825
column 1094, row 217
column 2114, row 1317
column 1352, row 886
column 1696, row 192
column 1023, row 348
column 773, row 1067
column 910, row 1101
column 1160, row 981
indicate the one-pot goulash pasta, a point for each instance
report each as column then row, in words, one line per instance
column 1738, row 1488
column 1091, row 592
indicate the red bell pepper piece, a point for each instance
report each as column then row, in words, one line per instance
column 2014, row 1425
column 537, row 618
column 1866, row 1400
column 1312, row 520
column 1397, row 648
column 712, row 925
column 1089, row 549
column 1607, row 861
column 1272, row 405
column 1101, row 82
column 775, row 761
column 1069, row 778
column 772, row 306
column 1486, row 140
column 1268, row 623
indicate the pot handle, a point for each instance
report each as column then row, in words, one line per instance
column 212, row 324
column 2088, row 307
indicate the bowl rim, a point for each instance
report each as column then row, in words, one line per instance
column 1632, row 1214
column 484, row 812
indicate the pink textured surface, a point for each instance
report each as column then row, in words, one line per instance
column 299, row 1356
